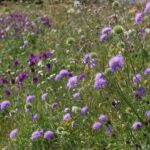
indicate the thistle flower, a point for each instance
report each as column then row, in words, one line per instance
column 138, row 17
column 102, row 118
column 137, row 125
column 72, row 82
column 13, row 133
column 48, row 135
column 96, row 125
column 4, row 104
column 147, row 7
column 29, row 98
column 136, row 78
column 147, row 71
column 116, row 62
column 35, row 135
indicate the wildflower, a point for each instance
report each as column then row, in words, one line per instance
column 98, row 76
column 81, row 76
column 116, row 62
column 53, row 105
column 66, row 110
column 86, row 58
column 35, row 79
column 147, row 7
column 137, row 125
column 84, row 110
column 102, row 118
column 4, row 104
column 106, row 30
column 7, row 92
column 136, row 78
column 4, row 80
column 108, row 129
column 48, row 135
column 100, row 83
column 34, row 117
column 138, row 17
column 76, row 95
column 147, row 71
column 48, row 66
column 66, row 117
column 35, row 135
column 13, row 133
column 92, row 63
column 96, row 125
column 21, row 77
column 138, row 93
column 72, row 82
column 44, row 96
column 29, row 98
column 147, row 113
column 103, row 38
column 15, row 63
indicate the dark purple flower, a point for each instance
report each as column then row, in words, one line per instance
column 147, row 7
column 13, row 133
column 4, row 104
column 81, row 76
column 15, row 63
column 84, row 110
column 35, row 79
column 4, row 80
column 147, row 71
column 29, row 98
column 48, row 135
column 66, row 117
column 76, row 95
column 116, row 62
column 48, row 66
column 137, row 125
column 46, row 21
column 136, row 78
column 7, row 92
column 138, row 17
column 102, row 118
column 100, row 83
column 35, row 135
column 72, row 82
column 96, row 125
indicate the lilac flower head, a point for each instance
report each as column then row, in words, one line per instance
column 76, row 95
column 4, row 80
column 137, row 125
column 108, row 129
column 72, row 82
column 66, row 117
column 136, row 78
column 53, row 105
column 7, row 92
column 147, row 71
column 96, row 125
column 138, row 17
column 92, row 63
column 86, row 58
column 21, row 77
column 147, row 7
column 116, row 62
column 139, row 93
column 15, row 63
column 44, row 96
column 48, row 135
column 100, row 83
column 102, row 118
column 103, row 38
column 106, row 30
column 58, row 77
column 35, row 135
column 4, row 104
column 13, row 133
column 147, row 114
column 98, row 76
column 34, row 117
column 35, row 79
column 84, row 110
column 81, row 76
column 29, row 98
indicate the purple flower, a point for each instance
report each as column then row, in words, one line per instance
column 13, row 133
column 100, row 83
column 81, row 76
column 76, row 95
column 138, row 17
column 86, row 58
column 98, row 76
column 103, row 38
column 147, row 7
column 48, row 135
column 102, row 118
column 84, row 110
column 137, row 125
column 106, row 30
column 35, row 135
column 15, row 63
column 136, row 78
column 58, row 77
column 34, row 117
column 44, row 96
column 138, row 93
column 147, row 114
column 7, row 92
column 53, row 105
column 108, row 129
column 48, row 66
column 4, row 80
column 61, row 74
column 66, row 117
column 92, row 63
column 147, row 71
column 35, row 79
column 29, row 98
column 21, row 77
column 96, row 125
column 72, row 82
column 116, row 62
column 4, row 104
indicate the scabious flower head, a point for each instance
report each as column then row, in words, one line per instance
column 66, row 117
column 100, row 83
column 72, row 82
column 58, row 77
column 35, row 135
column 76, row 95
column 98, row 76
column 86, row 58
column 147, row 7
column 116, row 62
column 29, row 98
column 102, row 118
column 7, row 92
column 138, row 17
column 48, row 135
column 34, row 117
column 92, row 63
column 4, row 104
column 138, row 93
column 13, row 133
column 147, row 71
column 35, row 79
column 137, row 125
column 147, row 114
column 106, row 30
column 81, row 76
column 21, row 77
column 4, row 80
column 84, row 110
column 103, row 38
column 96, row 125
column 44, row 96
column 62, row 73
column 53, row 105
column 136, row 78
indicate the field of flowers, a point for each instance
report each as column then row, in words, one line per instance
column 75, row 77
